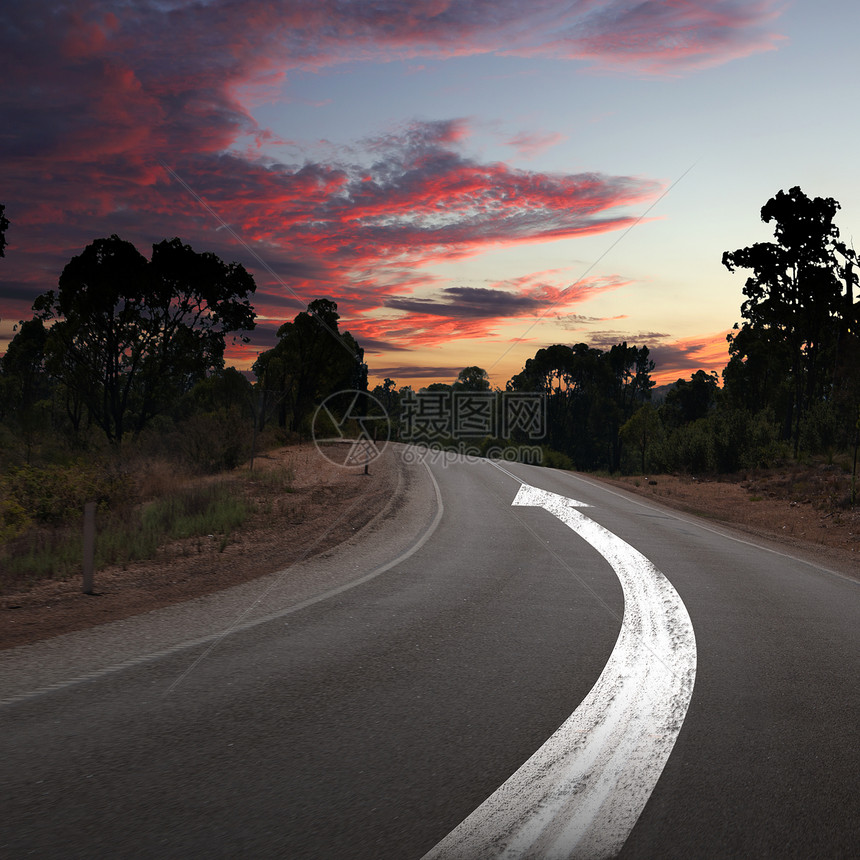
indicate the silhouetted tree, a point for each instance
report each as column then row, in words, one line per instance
column 641, row 429
column 224, row 391
column 132, row 336
column 22, row 368
column 24, row 382
column 389, row 397
column 630, row 370
column 311, row 360
column 472, row 379
column 437, row 386
column 689, row 400
column 794, row 300
column 590, row 395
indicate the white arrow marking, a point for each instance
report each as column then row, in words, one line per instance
column 581, row 793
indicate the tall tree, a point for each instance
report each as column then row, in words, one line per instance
column 22, row 368
column 388, row 395
column 24, row 382
column 795, row 297
column 311, row 360
column 630, row 371
column 688, row 401
column 641, row 429
column 131, row 336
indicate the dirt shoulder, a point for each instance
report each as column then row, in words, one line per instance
column 805, row 509
column 323, row 506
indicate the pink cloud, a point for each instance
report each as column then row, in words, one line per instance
column 660, row 37
column 95, row 97
column 534, row 143
column 680, row 358
column 475, row 312
column 357, row 233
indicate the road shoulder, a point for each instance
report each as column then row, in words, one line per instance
column 410, row 508
column 793, row 529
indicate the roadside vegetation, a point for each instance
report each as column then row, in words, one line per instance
column 143, row 510
column 54, row 548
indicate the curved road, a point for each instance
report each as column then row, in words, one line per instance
column 357, row 708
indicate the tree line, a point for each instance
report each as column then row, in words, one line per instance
column 791, row 386
column 128, row 345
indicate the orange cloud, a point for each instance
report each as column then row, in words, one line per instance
column 676, row 359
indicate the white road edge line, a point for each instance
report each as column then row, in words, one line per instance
column 581, row 793
column 246, row 625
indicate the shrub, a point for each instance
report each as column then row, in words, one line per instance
column 555, row 459
column 213, row 442
column 13, row 520
column 819, row 428
column 56, row 552
column 57, row 494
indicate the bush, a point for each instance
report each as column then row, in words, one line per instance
column 13, row 520
column 729, row 440
column 57, row 494
column 195, row 511
column 555, row 459
column 213, row 442
column 689, row 448
column 819, row 428
column 42, row 552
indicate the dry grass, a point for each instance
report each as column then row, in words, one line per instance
column 804, row 506
column 300, row 504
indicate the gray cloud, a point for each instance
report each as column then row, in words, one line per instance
column 411, row 371
column 471, row 302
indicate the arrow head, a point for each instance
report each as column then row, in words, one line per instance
column 532, row 497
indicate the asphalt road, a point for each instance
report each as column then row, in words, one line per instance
column 368, row 720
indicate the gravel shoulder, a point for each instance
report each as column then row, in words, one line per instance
column 802, row 511
column 326, row 505
column 406, row 507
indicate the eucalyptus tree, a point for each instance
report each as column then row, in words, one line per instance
column 130, row 336
column 311, row 360
column 795, row 302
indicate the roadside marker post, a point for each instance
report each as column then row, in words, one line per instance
column 89, row 545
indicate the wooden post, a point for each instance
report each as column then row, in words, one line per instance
column 854, row 471
column 258, row 414
column 89, row 545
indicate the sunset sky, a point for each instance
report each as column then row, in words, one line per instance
column 469, row 181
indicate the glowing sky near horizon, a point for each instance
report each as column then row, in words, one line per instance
column 467, row 180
